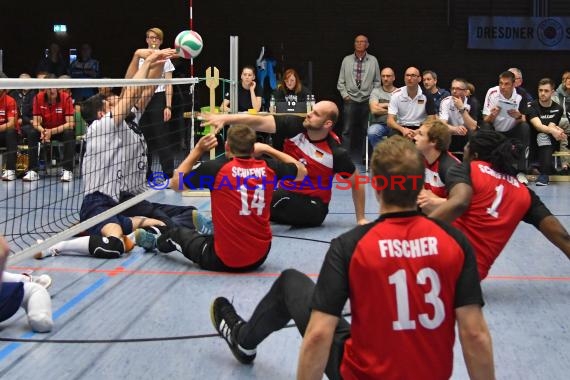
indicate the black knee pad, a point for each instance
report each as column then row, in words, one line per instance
column 106, row 247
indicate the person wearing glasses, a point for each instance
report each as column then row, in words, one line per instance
column 359, row 74
column 154, row 122
column 457, row 113
column 409, row 105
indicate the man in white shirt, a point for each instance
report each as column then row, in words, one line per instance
column 457, row 114
column 503, row 111
column 409, row 105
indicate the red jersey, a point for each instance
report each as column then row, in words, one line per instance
column 8, row 109
column 322, row 158
column 499, row 203
column 436, row 172
column 405, row 275
column 53, row 115
column 242, row 189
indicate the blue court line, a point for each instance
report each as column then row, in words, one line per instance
column 66, row 307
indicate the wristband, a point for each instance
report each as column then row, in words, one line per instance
column 168, row 107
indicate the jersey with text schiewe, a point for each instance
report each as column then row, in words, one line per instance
column 405, row 275
column 242, row 189
column 322, row 158
column 499, row 203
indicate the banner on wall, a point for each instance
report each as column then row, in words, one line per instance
column 519, row 33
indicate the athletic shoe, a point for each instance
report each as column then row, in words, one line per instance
column 44, row 280
column 67, row 176
column 227, row 322
column 8, row 175
column 542, row 180
column 202, row 224
column 521, row 177
column 145, row 239
column 47, row 253
column 31, row 176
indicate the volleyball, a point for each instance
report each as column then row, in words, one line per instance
column 188, row 44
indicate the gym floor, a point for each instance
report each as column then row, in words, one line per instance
column 147, row 315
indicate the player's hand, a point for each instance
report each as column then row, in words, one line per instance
column 159, row 56
column 362, row 221
column 215, row 120
column 259, row 149
column 143, row 53
column 167, row 114
column 207, row 142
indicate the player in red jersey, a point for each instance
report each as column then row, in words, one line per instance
column 310, row 140
column 433, row 139
column 409, row 279
column 487, row 202
column 8, row 134
column 241, row 188
column 54, row 120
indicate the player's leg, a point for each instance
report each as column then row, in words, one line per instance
column 37, row 304
column 296, row 209
column 289, row 298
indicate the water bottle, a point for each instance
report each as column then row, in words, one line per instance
column 272, row 104
column 312, row 101
column 309, row 105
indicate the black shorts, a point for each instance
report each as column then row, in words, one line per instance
column 96, row 203
column 11, row 296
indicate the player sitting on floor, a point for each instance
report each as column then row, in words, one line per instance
column 105, row 157
column 242, row 187
column 487, row 202
column 26, row 291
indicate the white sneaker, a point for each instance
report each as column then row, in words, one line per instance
column 43, row 280
column 67, row 176
column 8, row 175
column 47, row 253
column 31, row 176
column 521, row 177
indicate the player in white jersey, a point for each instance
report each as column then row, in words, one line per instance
column 106, row 157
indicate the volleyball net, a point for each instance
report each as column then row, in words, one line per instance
column 73, row 158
